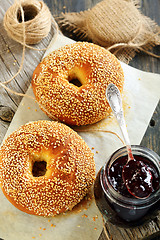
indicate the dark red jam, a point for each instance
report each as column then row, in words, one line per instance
column 142, row 183
column 138, row 178
column 112, row 197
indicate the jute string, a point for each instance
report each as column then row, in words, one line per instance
column 117, row 25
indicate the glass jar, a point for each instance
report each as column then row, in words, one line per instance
column 126, row 210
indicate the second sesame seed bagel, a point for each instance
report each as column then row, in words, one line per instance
column 46, row 168
column 84, row 102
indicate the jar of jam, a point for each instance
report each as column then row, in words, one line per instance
column 112, row 197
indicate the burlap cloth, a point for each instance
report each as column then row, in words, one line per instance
column 117, row 25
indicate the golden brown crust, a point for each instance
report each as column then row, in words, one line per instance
column 95, row 68
column 70, row 168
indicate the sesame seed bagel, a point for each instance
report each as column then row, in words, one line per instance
column 93, row 66
column 58, row 186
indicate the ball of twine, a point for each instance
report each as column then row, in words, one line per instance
column 27, row 21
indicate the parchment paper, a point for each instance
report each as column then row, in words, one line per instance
column 141, row 95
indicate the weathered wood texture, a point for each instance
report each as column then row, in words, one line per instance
column 10, row 58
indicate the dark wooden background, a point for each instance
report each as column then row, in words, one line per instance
column 10, row 58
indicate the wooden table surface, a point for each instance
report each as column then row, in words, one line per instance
column 10, row 58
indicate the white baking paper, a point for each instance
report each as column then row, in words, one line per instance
column 140, row 98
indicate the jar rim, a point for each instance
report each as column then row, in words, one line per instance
column 151, row 155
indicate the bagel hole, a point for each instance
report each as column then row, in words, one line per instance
column 39, row 168
column 30, row 13
column 73, row 79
